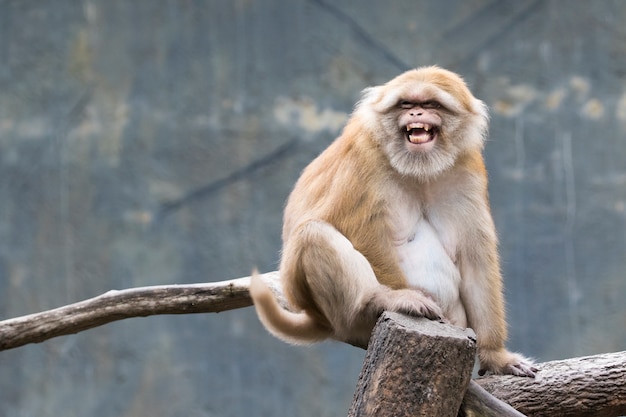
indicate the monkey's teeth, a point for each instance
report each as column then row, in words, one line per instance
column 419, row 133
column 419, row 139
column 424, row 126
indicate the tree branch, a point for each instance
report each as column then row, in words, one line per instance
column 577, row 387
column 135, row 302
column 478, row 402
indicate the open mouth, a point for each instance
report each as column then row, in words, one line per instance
column 420, row 133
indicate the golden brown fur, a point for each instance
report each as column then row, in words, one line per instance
column 394, row 215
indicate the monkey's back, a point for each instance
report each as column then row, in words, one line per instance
column 344, row 187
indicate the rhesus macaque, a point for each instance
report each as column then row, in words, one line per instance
column 394, row 215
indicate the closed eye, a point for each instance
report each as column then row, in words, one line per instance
column 432, row 104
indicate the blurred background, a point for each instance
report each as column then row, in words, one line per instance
column 155, row 142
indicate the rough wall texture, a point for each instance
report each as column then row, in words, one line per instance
column 150, row 142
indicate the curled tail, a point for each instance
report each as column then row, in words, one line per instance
column 295, row 328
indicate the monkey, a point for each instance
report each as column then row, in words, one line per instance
column 394, row 215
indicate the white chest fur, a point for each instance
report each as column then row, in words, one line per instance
column 426, row 246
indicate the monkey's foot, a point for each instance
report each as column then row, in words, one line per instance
column 503, row 362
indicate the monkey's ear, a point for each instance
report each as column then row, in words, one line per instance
column 481, row 110
column 370, row 97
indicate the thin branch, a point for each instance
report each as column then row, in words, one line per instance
column 135, row 302
column 478, row 402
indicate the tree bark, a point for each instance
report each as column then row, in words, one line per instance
column 578, row 387
column 414, row 367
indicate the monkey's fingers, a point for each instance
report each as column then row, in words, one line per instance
column 417, row 304
column 522, row 367
column 526, row 369
column 432, row 311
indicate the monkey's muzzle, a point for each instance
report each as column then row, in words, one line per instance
column 420, row 133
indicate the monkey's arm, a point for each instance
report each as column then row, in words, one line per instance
column 482, row 297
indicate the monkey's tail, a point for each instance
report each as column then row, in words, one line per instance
column 295, row 328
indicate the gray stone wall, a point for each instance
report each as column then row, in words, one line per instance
column 153, row 142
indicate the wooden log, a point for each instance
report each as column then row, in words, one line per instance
column 577, row 387
column 414, row 367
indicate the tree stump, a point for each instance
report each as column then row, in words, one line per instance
column 414, row 367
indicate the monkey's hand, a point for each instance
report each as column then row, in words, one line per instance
column 503, row 362
column 406, row 301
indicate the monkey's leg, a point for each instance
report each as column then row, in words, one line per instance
column 484, row 303
column 343, row 286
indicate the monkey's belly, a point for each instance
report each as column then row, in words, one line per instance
column 428, row 266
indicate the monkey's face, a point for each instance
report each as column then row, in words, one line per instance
column 420, row 123
column 423, row 120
